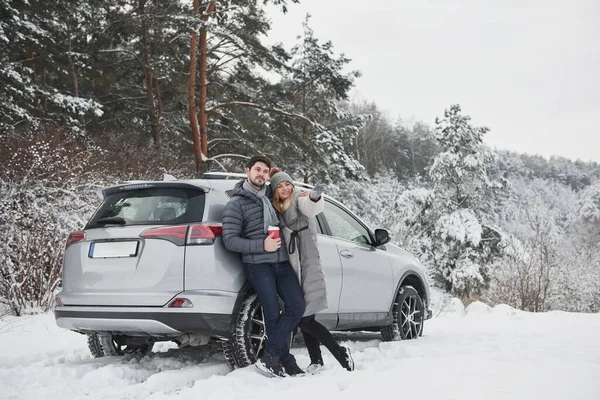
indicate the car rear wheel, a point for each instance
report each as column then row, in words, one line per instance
column 113, row 345
column 94, row 345
column 249, row 339
column 408, row 314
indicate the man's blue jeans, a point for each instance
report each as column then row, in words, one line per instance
column 268, row 281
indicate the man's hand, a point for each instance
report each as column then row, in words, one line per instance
column 271, row 244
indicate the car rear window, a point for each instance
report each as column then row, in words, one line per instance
column 150, row 206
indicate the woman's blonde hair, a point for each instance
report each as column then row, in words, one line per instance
column 279, row 205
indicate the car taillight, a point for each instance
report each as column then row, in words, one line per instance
column 174, row 234
column 75, row 237
column 181, row 302
column 197, row 234
column 204, row 233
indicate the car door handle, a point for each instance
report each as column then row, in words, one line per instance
column 346, row 253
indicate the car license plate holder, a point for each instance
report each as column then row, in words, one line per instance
column 113, row 249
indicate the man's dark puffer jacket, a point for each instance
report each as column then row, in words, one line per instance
column 243, row 228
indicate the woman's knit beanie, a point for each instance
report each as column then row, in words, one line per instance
column 278, row 176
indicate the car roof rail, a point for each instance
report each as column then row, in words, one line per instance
column 134, row 182
column 223, row 175
column 235, row 175
column 304, row 185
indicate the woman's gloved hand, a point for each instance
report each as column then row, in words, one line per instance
column 317, row 191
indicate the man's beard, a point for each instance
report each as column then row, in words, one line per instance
column 257, row 184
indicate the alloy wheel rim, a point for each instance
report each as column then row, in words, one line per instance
column 410, row 317
column 257, row 331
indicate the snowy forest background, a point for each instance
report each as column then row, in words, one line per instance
column 100, row 91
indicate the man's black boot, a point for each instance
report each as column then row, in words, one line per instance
column 270, row 366
column 293, row 369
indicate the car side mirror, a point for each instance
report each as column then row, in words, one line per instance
column 382, row 236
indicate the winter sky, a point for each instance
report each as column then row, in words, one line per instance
column 526, row 69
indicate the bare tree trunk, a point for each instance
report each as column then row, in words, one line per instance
column 412, row 155
column 305, row 132
column 159, row 100
column 72, row 69
column 192, row 92
column 31, row 57
column 44, row 77
column 208, row 8
column 154, row 118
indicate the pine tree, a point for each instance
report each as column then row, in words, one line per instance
column 535, row 218
column 18, row 92
column 140, row 51
column 231, row 61
column 453, row 233
column 317, row 88
column 37, row 51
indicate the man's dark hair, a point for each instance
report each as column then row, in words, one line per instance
column 255, row 159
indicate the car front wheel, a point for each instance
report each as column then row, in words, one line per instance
column 408, row 316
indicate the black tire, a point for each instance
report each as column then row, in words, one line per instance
column 116, row 346
column 227, row 347
column 94, row 345
column 249, row 338
column 408, row 314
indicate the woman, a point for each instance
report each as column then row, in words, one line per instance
column 296, row 213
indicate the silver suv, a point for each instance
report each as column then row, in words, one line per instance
column 150, row 266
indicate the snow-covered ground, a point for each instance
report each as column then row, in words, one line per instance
column 481, row 353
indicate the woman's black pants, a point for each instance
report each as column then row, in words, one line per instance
column 314, row 333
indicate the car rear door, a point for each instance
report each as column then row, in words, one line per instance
column 133, row 249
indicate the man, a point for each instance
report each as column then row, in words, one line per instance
column 246, row 219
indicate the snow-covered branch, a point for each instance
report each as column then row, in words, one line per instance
column 259, row 107
column 230, row 156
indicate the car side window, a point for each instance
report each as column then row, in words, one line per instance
column 344, row 226
column 320, row 228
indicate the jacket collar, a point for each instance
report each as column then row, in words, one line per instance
column 238, row 190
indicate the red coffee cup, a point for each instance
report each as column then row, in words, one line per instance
column 273, row 229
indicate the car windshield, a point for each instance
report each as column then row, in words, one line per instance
column 150, row 206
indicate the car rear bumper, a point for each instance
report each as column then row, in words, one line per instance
column 141, row 321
